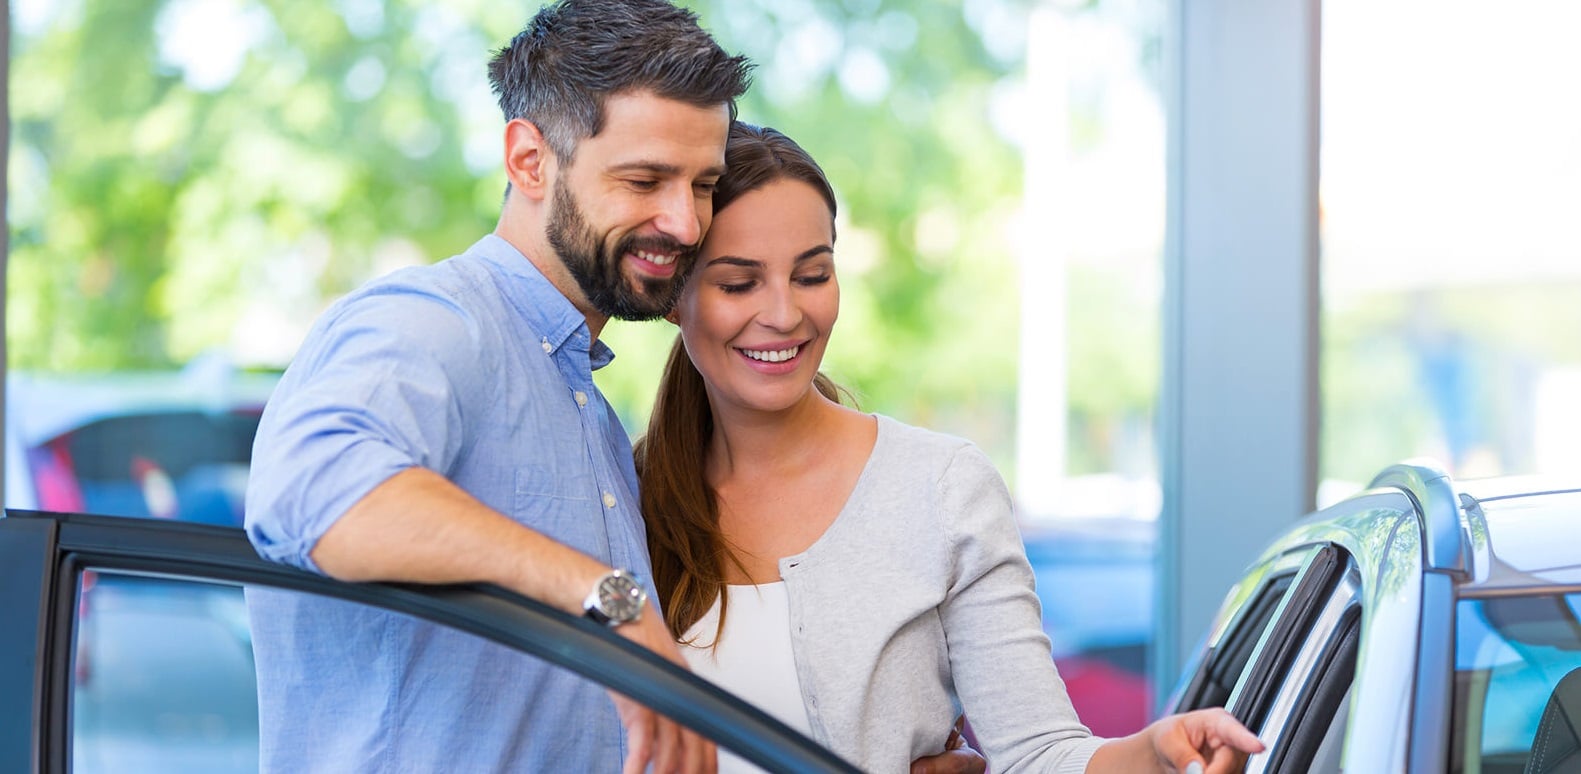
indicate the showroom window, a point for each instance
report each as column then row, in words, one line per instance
column 192, row 181
column 1451, row 172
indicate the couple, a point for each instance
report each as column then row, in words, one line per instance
column 441, row 425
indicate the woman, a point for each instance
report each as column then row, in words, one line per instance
column 861, row 579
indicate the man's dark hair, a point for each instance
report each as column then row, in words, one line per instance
column 574, row 54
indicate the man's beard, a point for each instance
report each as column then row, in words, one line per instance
column 598, row 272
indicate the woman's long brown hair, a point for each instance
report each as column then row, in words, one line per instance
column 689, row 551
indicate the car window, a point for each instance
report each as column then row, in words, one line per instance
column 162, row 677
column 1296, row 618
column 184, row 465
column 1285, row 663
column 125, row 638
column 1517, row 671
column 1221, row 668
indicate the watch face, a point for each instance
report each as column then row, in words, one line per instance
column 620, row 597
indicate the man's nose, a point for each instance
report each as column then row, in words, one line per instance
column 678, row 217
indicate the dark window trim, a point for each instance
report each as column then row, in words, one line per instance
column 1280, row 643
column 26, row 580
column 1320, row 699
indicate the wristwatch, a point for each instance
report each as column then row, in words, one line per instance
column 616, row 599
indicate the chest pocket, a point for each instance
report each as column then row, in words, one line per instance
column 562, row 500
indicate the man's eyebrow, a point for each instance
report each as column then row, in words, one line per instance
column 663, row 169
column 751, row 263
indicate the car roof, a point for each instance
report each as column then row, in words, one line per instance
column 1525, row 534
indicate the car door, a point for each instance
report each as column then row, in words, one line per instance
column 1283, row 661
column 118, row 630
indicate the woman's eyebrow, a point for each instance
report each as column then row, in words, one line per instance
column 813, row 252
column 753, row 263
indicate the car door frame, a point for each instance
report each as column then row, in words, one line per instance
column 1382, row 532
column 42, row 555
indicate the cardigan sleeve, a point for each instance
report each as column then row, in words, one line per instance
column 1000, row 658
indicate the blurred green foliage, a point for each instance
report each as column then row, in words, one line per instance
column 166, row 203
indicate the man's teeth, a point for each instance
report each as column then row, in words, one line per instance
column 772, row 355
column 658, row 259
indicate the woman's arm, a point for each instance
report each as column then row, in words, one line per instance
column 1003, row 668
column 1000, row 659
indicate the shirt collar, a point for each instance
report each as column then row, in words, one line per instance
column 546, row 309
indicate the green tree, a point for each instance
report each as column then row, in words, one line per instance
column 161, row 208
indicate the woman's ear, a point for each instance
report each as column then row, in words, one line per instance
column 673, row 316
column 527, row 158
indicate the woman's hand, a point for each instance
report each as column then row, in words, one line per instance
column 1207, row 741
column 1211, row 738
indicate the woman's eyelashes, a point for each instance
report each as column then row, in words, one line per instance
column 811, row 280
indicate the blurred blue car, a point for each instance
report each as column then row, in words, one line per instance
column 168, row 445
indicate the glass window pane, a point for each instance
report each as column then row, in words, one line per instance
column 1091, row 131
column 1451, row 265
column 1511, row 654
column 163, row 677
column 168, row 677
column 260, row 159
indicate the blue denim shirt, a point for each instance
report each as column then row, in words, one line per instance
column 479, row 369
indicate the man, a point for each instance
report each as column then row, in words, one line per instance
column 441, row 425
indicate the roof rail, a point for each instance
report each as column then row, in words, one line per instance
column 1433, row 493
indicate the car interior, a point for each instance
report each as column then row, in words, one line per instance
column 1517, row 685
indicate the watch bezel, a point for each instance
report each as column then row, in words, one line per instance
column 617, row 598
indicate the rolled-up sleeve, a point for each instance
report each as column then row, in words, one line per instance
column 379, row 386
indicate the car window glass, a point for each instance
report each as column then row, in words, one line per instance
column 184, row 465
column 1222, row 667
column 162, row 677
column 165, row 678
column 1514, row 656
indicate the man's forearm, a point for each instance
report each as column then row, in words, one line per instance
column 419, row 527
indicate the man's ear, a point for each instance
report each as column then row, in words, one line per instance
column 527, row 158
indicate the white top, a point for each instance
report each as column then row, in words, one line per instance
column 753, row 659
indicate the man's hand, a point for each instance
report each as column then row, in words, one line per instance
column 652, row 738
column 957, row 758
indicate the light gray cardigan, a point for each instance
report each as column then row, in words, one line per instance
column 918, row 601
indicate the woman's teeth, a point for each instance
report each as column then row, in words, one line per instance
column 772, row 355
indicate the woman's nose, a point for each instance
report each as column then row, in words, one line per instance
column 780, row 311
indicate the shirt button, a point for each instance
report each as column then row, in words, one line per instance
column 581, row 398
column 546, row 347
column 609, row 500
